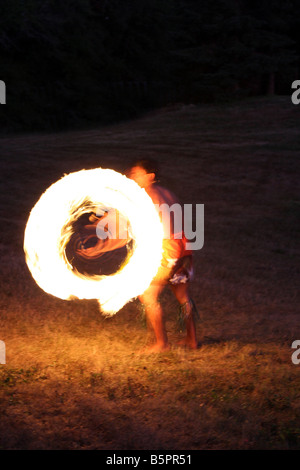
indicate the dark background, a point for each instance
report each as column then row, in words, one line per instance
column 79, row 63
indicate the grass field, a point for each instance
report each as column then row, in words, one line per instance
column 76, row 380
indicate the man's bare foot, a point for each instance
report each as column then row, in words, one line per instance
column 156, row 348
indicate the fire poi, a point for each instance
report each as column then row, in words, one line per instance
column 50, row 228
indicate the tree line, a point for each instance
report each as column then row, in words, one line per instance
column 83, row 62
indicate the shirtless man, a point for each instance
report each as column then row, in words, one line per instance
column 175, row 270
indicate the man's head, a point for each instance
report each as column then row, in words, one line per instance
column 144, row 172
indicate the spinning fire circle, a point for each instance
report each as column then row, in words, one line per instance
column 51, row 225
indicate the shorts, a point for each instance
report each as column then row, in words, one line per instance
column 178, row 271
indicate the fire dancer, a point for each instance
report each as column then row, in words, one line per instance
column 176, row 269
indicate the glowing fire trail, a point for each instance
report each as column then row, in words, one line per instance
column 49, row 229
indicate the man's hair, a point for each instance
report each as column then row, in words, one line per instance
column 148, row 164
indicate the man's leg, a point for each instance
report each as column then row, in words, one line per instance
column 154, row 314
column 181, row 292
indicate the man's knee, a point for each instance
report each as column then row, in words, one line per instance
column 145, row 299
column 181, row 292
column 150, row 296
column 188, row 310
column 148, row 301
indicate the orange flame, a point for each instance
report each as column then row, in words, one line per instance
column 49, row 229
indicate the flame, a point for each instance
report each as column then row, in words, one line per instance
column 49, row 229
